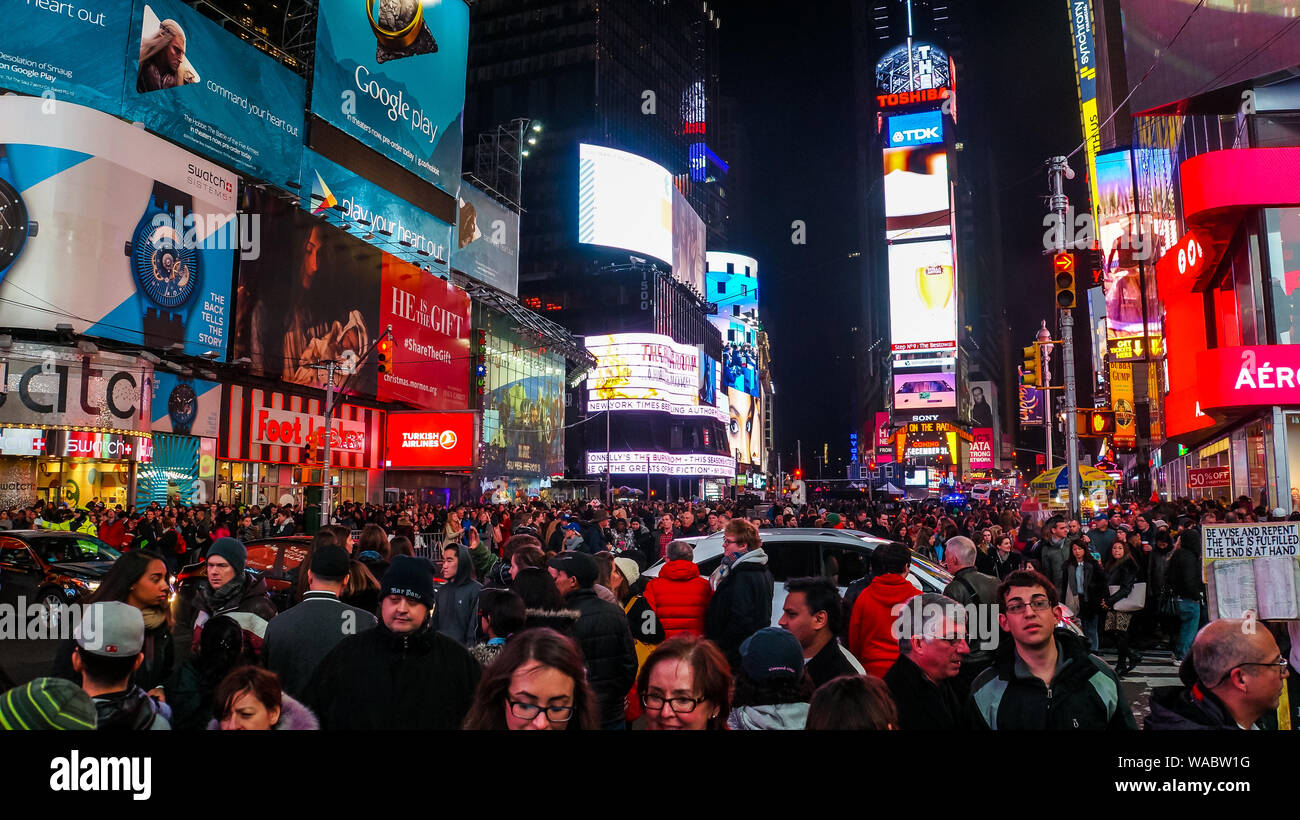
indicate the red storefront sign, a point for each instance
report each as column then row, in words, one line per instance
column 270, row 427
column 884, row 437
column 981, row 448
column 1204, row 478
column 1255, row 376
column 438, row 441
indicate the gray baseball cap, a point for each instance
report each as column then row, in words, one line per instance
column 111, row 629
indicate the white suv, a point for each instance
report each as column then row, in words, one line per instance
column 842, row 555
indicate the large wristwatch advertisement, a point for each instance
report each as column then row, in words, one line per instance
column 15, row 227
column 166, row 271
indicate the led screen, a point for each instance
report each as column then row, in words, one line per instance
column 922, row 296
column 624, row 201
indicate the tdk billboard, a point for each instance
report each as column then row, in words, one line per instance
column 925, row 128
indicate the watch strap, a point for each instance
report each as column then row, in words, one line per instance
column 162, row 328
column 164, row 197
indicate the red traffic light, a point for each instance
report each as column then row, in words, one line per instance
column 384, row 355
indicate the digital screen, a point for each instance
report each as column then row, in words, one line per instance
column 646, row 371
column 225, row 99
column 925, row 391
column 916, row 478
column 907, row 130
column 659, row 463
column 916, row 192
column 487, row 241
column 922, row 297
column 429, row 440
column 391, row 74
column 123, row 235
column 624, row 201
column 689, row 238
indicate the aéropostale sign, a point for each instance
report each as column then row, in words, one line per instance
column 225, row 99
column 391, row 74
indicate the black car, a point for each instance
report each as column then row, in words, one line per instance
column 51, row 567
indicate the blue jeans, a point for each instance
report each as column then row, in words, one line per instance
column 1189, row 621
column 1091, row 624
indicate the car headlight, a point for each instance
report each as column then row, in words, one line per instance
column 171, row 580
column 91, row 585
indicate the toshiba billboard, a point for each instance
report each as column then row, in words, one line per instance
column 430, row 441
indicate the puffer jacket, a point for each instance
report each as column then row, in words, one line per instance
column 741, row 604
column 607, row 648
column 294, row 717
column 1176, row 707
column 772, row 716
column 1084, row 693
column 455, row 609
column 131, row 709
column 252, row 610
column 680, row 597
column 871, row 627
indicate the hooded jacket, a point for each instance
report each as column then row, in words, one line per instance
column 603, row 635
column 455, row 608
column 251, row 608
column 741, row 604
column 294, row 717
column 871, row 627
column 379, row 679
column 131, row 709
column 1084, row 693
column 1053, row 555
column 680, row 597
column 1183, row 708
column 770, row 716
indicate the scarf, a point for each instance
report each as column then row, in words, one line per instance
column 154, row 617
column 226, row 597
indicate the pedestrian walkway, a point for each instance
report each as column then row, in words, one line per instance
column 1156, row 669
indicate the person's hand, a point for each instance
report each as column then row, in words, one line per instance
column 157, row 694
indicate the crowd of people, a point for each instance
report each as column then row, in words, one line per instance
column 543, row 616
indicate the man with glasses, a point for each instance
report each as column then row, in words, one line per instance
column 1046, row 678
column 1238, row 678
column 932, row 648
column 742, row 590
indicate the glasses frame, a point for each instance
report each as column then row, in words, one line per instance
column 1036, row 604
column 646, row 703
column 537, row 709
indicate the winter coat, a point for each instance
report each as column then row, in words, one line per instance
column 299, row 638
column 380, row 679
column 1094, row 587
column 1177, row 707
column 455, row 608
column 831, row 662
column 680, row 597
column 606, row 641
column 871, row 628
column 294, row 717
column 131, row 709
column 252, row 610
column 1084, row 694
column 741, row 604
column 1052, row 557
column 999, row 567
column 922, row 703
column 1184, row 574
column 153, row 671
column 561, row 620
column 1122, row 574
column 771, row 716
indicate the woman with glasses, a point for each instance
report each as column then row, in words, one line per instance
column 685, row 684
column 537, row 682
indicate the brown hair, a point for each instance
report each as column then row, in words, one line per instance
column 549, row 648
column 264, row 684
column 708, row 667
column 852, row 702
column 360, row 579
column 517, row 542
column 374, row 538
column 1026, row 578
column 530, row 556
column 745, row 532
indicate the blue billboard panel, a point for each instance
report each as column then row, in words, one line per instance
column 388, row 222
column 391, row 74
column 925, row 128
column 65, row 50
column 192, row 82
column 114, row 231
column 487, row 241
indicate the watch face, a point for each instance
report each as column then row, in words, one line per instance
column 13, row 224
column 182, row 406
column 166, row 271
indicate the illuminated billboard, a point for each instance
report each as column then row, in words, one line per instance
column 429, row 441
column 925, row 395
column 647, row 371
column 906, row 130
column 689, row 238
column 1085, row 81
column 922, row 297
column 624, row 201
column 733, row 287
column 920, row 67
column 643, row 462
column 916, row 192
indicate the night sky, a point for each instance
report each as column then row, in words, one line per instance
column 793, row 78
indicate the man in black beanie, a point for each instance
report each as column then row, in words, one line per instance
column 403, row 674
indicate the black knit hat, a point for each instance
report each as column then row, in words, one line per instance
column 409, row 577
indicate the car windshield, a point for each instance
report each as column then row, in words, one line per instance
column 68, row 550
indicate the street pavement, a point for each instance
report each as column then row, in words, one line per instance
column 1156, row 669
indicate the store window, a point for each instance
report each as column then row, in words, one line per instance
column 1217, row 454
column 1282, row 227
column 1293, row 457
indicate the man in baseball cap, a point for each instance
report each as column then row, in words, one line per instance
column 110, row 638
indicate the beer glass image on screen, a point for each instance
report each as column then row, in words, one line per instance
column 163, row 63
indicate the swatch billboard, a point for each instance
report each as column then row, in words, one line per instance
column 60, row 49
column 113, row 231
column 391, row 74
column 487, row 241
column 195, row 83
column 317, row 293
column 386, row 221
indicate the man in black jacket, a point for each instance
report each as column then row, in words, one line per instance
column 602, row 632
column 931, row 650
column 403, row 674
column 970, row 586
column 742, row 590
column 813, row 613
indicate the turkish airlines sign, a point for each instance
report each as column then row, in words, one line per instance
column 430, row 441
column 1202, row 478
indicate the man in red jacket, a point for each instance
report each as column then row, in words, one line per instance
column 679, row 596
column 871, row 627
column 113, row 530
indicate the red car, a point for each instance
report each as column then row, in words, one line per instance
column 274, row 559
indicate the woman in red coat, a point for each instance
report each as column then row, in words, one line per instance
column 679, row 596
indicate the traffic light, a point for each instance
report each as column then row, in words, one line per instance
column 309, row 451
column 384, row 355
column 1063, row 268
column 1032, row 375
column 1095, row 423
column 798, row 474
